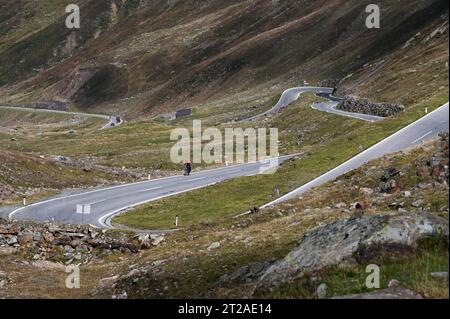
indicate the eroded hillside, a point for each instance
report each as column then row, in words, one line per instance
column 147, row 57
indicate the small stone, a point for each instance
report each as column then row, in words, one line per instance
column 339, row 206
column 366, row 191
column 25, row 239
column 68, row 256
column 396, row 205
column 158, row 240
column 134, row 273
column 394, row 283
column 322, row 291
column 123, row 296
column 109, row 280
column 214, row 245
column 417, row 203
column 248, row 240
column 424, row 186
column 12, row 241
column 407, row 194
column 443, row 274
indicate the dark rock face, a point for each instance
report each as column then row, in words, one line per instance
column 108, row 82
column 364, row 106
column 347, row 242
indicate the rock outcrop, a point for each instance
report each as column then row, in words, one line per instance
column 437, row 166
column 70, row 243
column 364, row 106
column 349, row 242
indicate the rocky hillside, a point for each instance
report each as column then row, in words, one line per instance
column 364, row 106
column 392, row 212
column 147, row 57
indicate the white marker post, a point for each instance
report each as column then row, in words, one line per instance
column 177, row 221
column 82, row 210
column 24, row 201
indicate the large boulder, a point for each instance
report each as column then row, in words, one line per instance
column 348, row 242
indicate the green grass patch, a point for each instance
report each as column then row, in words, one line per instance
column 412, row 271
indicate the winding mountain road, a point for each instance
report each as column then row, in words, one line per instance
column 330, row 107
column 424, row 129
column 287, row 97
column 111, row 121
column 292, row 95
column 108, row 202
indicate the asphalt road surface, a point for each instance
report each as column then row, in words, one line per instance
column 106, row 203
column 293, row 94
column 288, row 97
column 111, row 121
column 330, row 107
column 418, row 132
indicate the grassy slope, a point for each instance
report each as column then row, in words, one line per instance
column 333, row 141
column 273, row 233
column 189, row 270
column 26, row 172
column 329, row 140
column 146, row 145
column 195, row 52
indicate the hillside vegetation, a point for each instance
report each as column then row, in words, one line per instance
column 225, row 258
column 141, row 57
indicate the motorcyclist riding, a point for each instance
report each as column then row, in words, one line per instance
column 187, row 169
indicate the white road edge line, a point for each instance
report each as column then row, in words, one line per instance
column 422, row 137
column 197, row 179
column 102, row 220
column 10, row 215
column 150, row 189
column 135, row 183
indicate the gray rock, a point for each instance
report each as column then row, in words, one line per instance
column 366, row 191
column 348, row 241
column 424, row 185
column 109, row 281
column 417, row 203
column 339, row 205
column 322, row 291
column 158, row 240
column 214, row 245
column 442, row 274
column 390, row 293
column 12, row 240
column 394, row 283
column 406, row 194
column 121, row 296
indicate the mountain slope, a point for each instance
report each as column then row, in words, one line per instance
column 148, row 57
